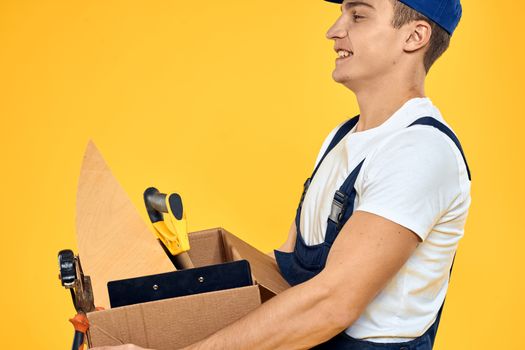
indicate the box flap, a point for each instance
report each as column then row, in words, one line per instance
column 207, row 247
column 264, row 268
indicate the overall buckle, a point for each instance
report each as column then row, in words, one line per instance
column 338, row 207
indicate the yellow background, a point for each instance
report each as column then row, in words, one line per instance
column 227, row 102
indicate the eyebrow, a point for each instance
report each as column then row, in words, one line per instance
column 351, row 4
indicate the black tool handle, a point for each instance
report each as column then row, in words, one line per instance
column 78, row 340
column 158, row 201
column 156, row 204
column 66, row 263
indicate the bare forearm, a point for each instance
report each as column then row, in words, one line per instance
column 298, row 318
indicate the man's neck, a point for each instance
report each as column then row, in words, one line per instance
column 377, row 102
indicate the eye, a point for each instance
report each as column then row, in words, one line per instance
column 356, row 17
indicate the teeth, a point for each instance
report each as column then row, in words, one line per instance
column 343, row 53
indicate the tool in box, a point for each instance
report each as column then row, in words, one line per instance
column 72, row 277
column 172, row 234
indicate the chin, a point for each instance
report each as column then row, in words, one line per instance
column 342, row 78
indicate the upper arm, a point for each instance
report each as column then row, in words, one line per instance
column 366, row 254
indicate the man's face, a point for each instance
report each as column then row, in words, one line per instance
column 365, row 29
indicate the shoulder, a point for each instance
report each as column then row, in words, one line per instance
column 417, row 141
column 417, row 151
column 412, row 177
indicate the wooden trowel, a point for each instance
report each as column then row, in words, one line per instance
column 113, row 240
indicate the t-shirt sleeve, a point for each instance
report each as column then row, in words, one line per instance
column 411, row 179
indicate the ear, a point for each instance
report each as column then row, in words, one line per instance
column 418, row 35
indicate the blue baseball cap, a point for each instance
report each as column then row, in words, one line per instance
column 446, row 13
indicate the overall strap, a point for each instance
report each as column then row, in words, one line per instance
column 342, row 205
column 339, row 135
column 343, row 130
column 432, row 331
column 442, row 127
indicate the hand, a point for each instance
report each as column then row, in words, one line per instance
column 120, row 347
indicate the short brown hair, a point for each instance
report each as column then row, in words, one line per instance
column 439, row 39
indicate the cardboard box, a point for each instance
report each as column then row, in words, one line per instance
column 177, row 322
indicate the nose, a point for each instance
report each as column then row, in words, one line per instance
column 337, row 30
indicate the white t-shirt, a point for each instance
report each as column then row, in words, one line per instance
column 415, row 177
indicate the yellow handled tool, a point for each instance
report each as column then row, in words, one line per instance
column 174, row 236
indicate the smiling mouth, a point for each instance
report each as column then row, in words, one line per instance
column 343, row 54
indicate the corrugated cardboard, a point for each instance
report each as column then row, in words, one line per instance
column 177, row 322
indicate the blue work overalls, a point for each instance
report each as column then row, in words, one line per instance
column 307, row 261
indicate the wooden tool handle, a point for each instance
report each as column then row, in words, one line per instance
column 183, row 261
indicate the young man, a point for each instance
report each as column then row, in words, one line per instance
column 370, row 265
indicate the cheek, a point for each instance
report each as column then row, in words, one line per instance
column 376, row 46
